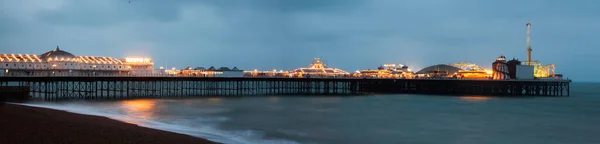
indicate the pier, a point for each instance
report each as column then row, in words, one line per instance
column 65, row 88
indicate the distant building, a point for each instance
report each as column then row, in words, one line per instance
column 386, row 71
column 318, row 69
column 512, row 68
column 61, row 63
column 440, row 70
column 516, row 70
column 500, row 69
column 461, row 70
column 210, row 72
column 274, row 73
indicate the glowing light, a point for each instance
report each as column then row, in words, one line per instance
column 489, row 72
column 475, row 98
column 139, row 108
column 138, row 60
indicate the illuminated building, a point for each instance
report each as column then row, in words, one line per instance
column 542, row 71
column 471, row 71
column 61, row 63
column 500, row 69
column 461, row 70
column 210, row 72
column 386, row 71
column 319, row 69
column 440, row 70
column 273, row 73
column 381, row 72
column 539, row 70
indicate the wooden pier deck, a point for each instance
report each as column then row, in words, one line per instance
column 62, row 88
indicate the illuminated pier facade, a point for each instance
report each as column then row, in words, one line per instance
column 61, row 63
column 461, row 70
column 204, row 72
column 386, row 71
column 63, row 88
column 317, row 69
column 60, row 75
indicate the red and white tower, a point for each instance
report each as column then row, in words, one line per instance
column 528, row 44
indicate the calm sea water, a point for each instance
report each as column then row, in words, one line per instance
column 366, row 119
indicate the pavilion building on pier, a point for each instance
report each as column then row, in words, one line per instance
column 318, row 69
column 62, row 63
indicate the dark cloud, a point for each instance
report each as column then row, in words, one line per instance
column 94, row 13
column 348, row 34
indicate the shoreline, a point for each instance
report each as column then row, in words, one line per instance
column 26, row 124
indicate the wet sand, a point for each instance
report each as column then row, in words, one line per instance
column 23, row 124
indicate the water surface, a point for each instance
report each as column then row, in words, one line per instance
column 404, row 118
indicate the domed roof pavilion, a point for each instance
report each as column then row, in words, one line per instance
column 57, row 53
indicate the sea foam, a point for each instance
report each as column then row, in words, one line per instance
column 207, row 128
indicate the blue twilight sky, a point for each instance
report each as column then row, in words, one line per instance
column 286, row 34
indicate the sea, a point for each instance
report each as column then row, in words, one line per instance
column 370, row 119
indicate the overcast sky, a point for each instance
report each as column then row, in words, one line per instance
column 286, row 34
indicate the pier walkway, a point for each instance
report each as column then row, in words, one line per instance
column 62, row 88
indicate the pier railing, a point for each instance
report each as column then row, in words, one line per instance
column 59, row 88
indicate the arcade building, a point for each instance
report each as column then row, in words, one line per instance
column 61, row 63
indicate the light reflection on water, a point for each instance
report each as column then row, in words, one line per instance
column 142, row 108
column 215, row 100
column 402, row 118
column 475, row 98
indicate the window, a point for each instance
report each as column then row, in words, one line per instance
column 65, row 63
column 14, row 64
column 29, row 65
column 119, row 66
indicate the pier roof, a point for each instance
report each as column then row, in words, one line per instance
column 439, row 68
column 57, row 53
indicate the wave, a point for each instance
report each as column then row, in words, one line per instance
column 207, row 129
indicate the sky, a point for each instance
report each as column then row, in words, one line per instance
column 287, row 34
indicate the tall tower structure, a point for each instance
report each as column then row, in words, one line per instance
column 528, row 44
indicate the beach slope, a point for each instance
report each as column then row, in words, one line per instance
column 23, row 124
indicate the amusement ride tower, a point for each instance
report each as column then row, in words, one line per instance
column 528, row 44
